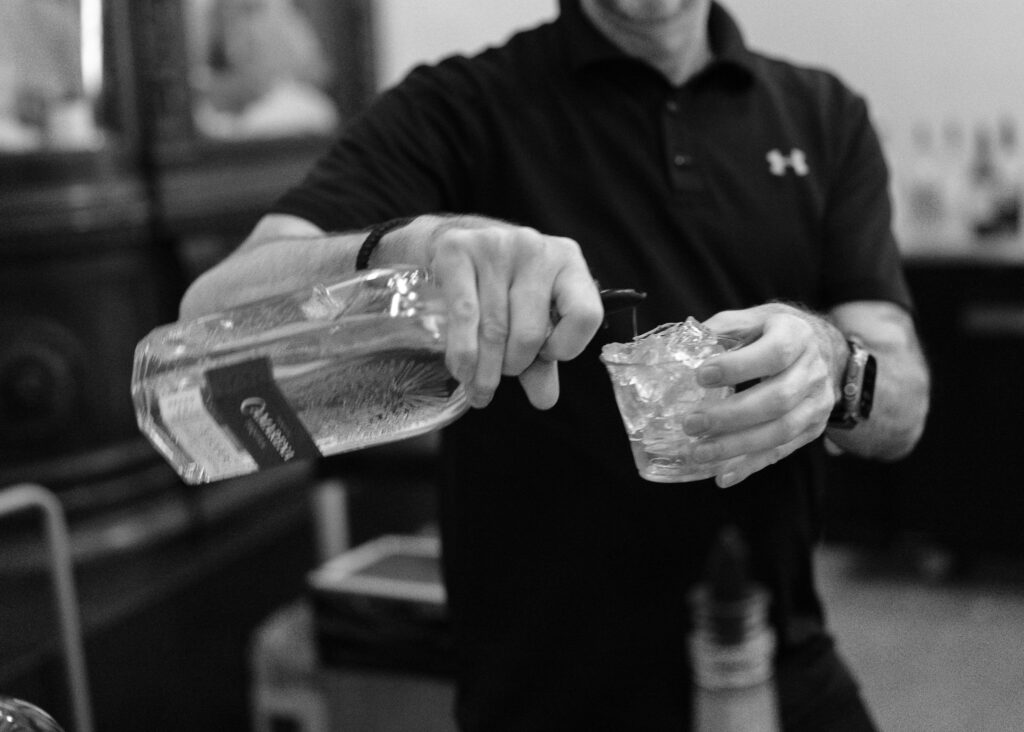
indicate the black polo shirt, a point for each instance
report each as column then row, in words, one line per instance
column 756, row 180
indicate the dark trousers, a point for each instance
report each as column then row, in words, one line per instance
column 818, row 693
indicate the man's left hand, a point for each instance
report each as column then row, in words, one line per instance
column 795, row 358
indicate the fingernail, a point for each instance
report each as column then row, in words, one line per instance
column 728, row 479
column 481, row 399
column 696, row 424
column 709, row 376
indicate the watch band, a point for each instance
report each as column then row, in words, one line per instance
column 858, row 388
column 373, row 239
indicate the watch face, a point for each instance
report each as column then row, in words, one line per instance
column 857, row 395
column 867, row 389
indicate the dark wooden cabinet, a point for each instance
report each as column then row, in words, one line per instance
column 97, row 243
column 961, row 488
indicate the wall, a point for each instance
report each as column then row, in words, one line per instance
column 927, row 60
column 915, row 59
column 414, row 31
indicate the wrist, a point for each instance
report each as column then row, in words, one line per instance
column 369, row 251
column 410, row 240
column 840, row 359
column 831, row 342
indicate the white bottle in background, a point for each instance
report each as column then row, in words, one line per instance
column 921, row 194
column 1010, row 163
column 732, row 646
column 986, row 186
column 953, row 161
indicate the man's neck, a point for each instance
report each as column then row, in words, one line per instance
column 677, row 46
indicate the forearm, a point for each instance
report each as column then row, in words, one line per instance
column 272, row 268
column 902, row 386
column 284, row 253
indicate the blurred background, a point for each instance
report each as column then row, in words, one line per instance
column 139, row 142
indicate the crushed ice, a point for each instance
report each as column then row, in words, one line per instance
column 688, row 342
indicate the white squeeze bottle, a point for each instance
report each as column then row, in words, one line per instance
column 732, row 646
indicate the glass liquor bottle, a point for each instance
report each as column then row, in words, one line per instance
column 21, row 716
column 324, row 370
column 732, row 646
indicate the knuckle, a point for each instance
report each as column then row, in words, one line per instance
column 493, row 330
column 791, row 427
column 498, row 244
column 803, row 326
column 787, row 352
column 531, row 292
column 809, row 428
column 526, row 241
column 450, row 243
column 460, row 362
column 463, row 311
column 570, row 246
column 531, row 339
column 782, row 400
column 821, row 379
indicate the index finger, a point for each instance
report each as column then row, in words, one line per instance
column 459, row 286
column 765, row 354
column 578, row 314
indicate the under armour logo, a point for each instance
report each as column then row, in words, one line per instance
column 796, row 160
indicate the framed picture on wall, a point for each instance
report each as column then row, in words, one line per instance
column 238, row 97
column 240, row 70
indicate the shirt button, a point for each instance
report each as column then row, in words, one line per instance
column 672, row 106
column 681, row 161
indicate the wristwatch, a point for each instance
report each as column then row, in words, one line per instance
column 858, row 388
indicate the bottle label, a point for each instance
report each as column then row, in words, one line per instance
column 250, row 403
column 732, row 666
column 185, row 416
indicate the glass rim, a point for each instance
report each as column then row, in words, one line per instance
column 730, row 341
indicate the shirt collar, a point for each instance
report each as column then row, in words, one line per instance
column 588, row 46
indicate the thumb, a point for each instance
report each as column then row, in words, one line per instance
column 540, row 382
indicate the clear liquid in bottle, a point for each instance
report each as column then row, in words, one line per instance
column 17, row 715
column 321, row 371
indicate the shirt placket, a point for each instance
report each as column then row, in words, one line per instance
column 680, row 145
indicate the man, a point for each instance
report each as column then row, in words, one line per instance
column 637, row 143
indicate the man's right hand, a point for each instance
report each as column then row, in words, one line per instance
column 519, row 301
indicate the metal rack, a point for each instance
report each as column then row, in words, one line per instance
column 25, row 496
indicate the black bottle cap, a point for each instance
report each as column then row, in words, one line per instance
column 623, row 299
column 730, row 604
column 726, row 572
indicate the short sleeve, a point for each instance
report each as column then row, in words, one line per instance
column 410, row 153
column 863, row 260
